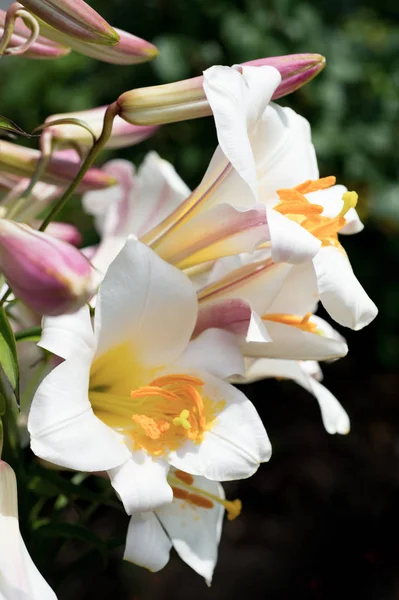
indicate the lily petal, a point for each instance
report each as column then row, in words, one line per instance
column 147, row 544
column 340, row 291
column 215, row 351
column 237, row 437
column 141, row 483
column 63, row 427
column 335, row 418
column 194, row 531
column 237, row 100
column 144, row 299
column 290, row 242
column 65, row 335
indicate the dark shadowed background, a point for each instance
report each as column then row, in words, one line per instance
column 321, row 520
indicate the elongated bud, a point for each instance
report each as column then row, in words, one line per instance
column 74, row 18
column 123, row 133
column 8, row 491
column 48, row 275
column 129, row 50
column 186, row 99
column 42, row 48
column 65, row 232
column 62, row 168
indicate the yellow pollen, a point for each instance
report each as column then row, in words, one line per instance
column 183, row 489
column 182, row 419
column 297, row 321
column 294, row 205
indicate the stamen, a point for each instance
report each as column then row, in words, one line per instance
column 295, row 206
column 185, row 477
column 303, row 323
column 183, row 490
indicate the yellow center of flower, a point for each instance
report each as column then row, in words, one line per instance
column 158, row 417
column 299, row 322
column 296, row 207
column 183, row 489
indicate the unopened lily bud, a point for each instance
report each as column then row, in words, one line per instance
column 123, row 133
column 65, row 232
column 61, row 169
column 129, row 50
column 42, row 48
column 186, row 99
column 74, row 18
column 48, row 275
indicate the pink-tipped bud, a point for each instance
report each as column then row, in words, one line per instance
column 130, row 49
column 65, row 232
column 74, row 18
column 42, row 48
column 186, row 99
column 50, row 276
column 123, row 133
column 61, row 170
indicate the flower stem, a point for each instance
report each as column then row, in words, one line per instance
column 111, row 112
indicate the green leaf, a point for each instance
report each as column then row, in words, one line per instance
column 8, row 353
column 12, row 128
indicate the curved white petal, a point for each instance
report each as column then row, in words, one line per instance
column 194, row 531
column 141, row 483
column 236, row 442
column 298, row 294
column 19, row 577
column 237, row 101
column 292, row 343
column 335, row 418
column 340, row 292
column 160, row 191
column 290, row 242
column 353, row 223
column 147, row 544
column 232, row 314
column 63, row 427
column 258, row 284
column 66, row 335
column 147, row 303
column 220, row 231
column 214, row 351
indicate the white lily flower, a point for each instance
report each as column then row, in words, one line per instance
column 270, row 308
column 306, row 374
column 134, row 396
column 191, row 524
column 19, row 577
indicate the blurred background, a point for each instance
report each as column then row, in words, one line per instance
column 321, row 520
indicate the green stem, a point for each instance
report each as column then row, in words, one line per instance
column 39, row 170
column 13, row 13
column 5, row 296
column 111, row 112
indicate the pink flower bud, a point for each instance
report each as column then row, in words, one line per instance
column 48, row 275
column 41, row 49
column 61, row 170
column 186, row 99
column 129, row 50
column 123, row 133
column 74, row 18
column 65, row 232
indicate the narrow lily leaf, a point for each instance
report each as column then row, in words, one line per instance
column 8, row 353
column 12, row 128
